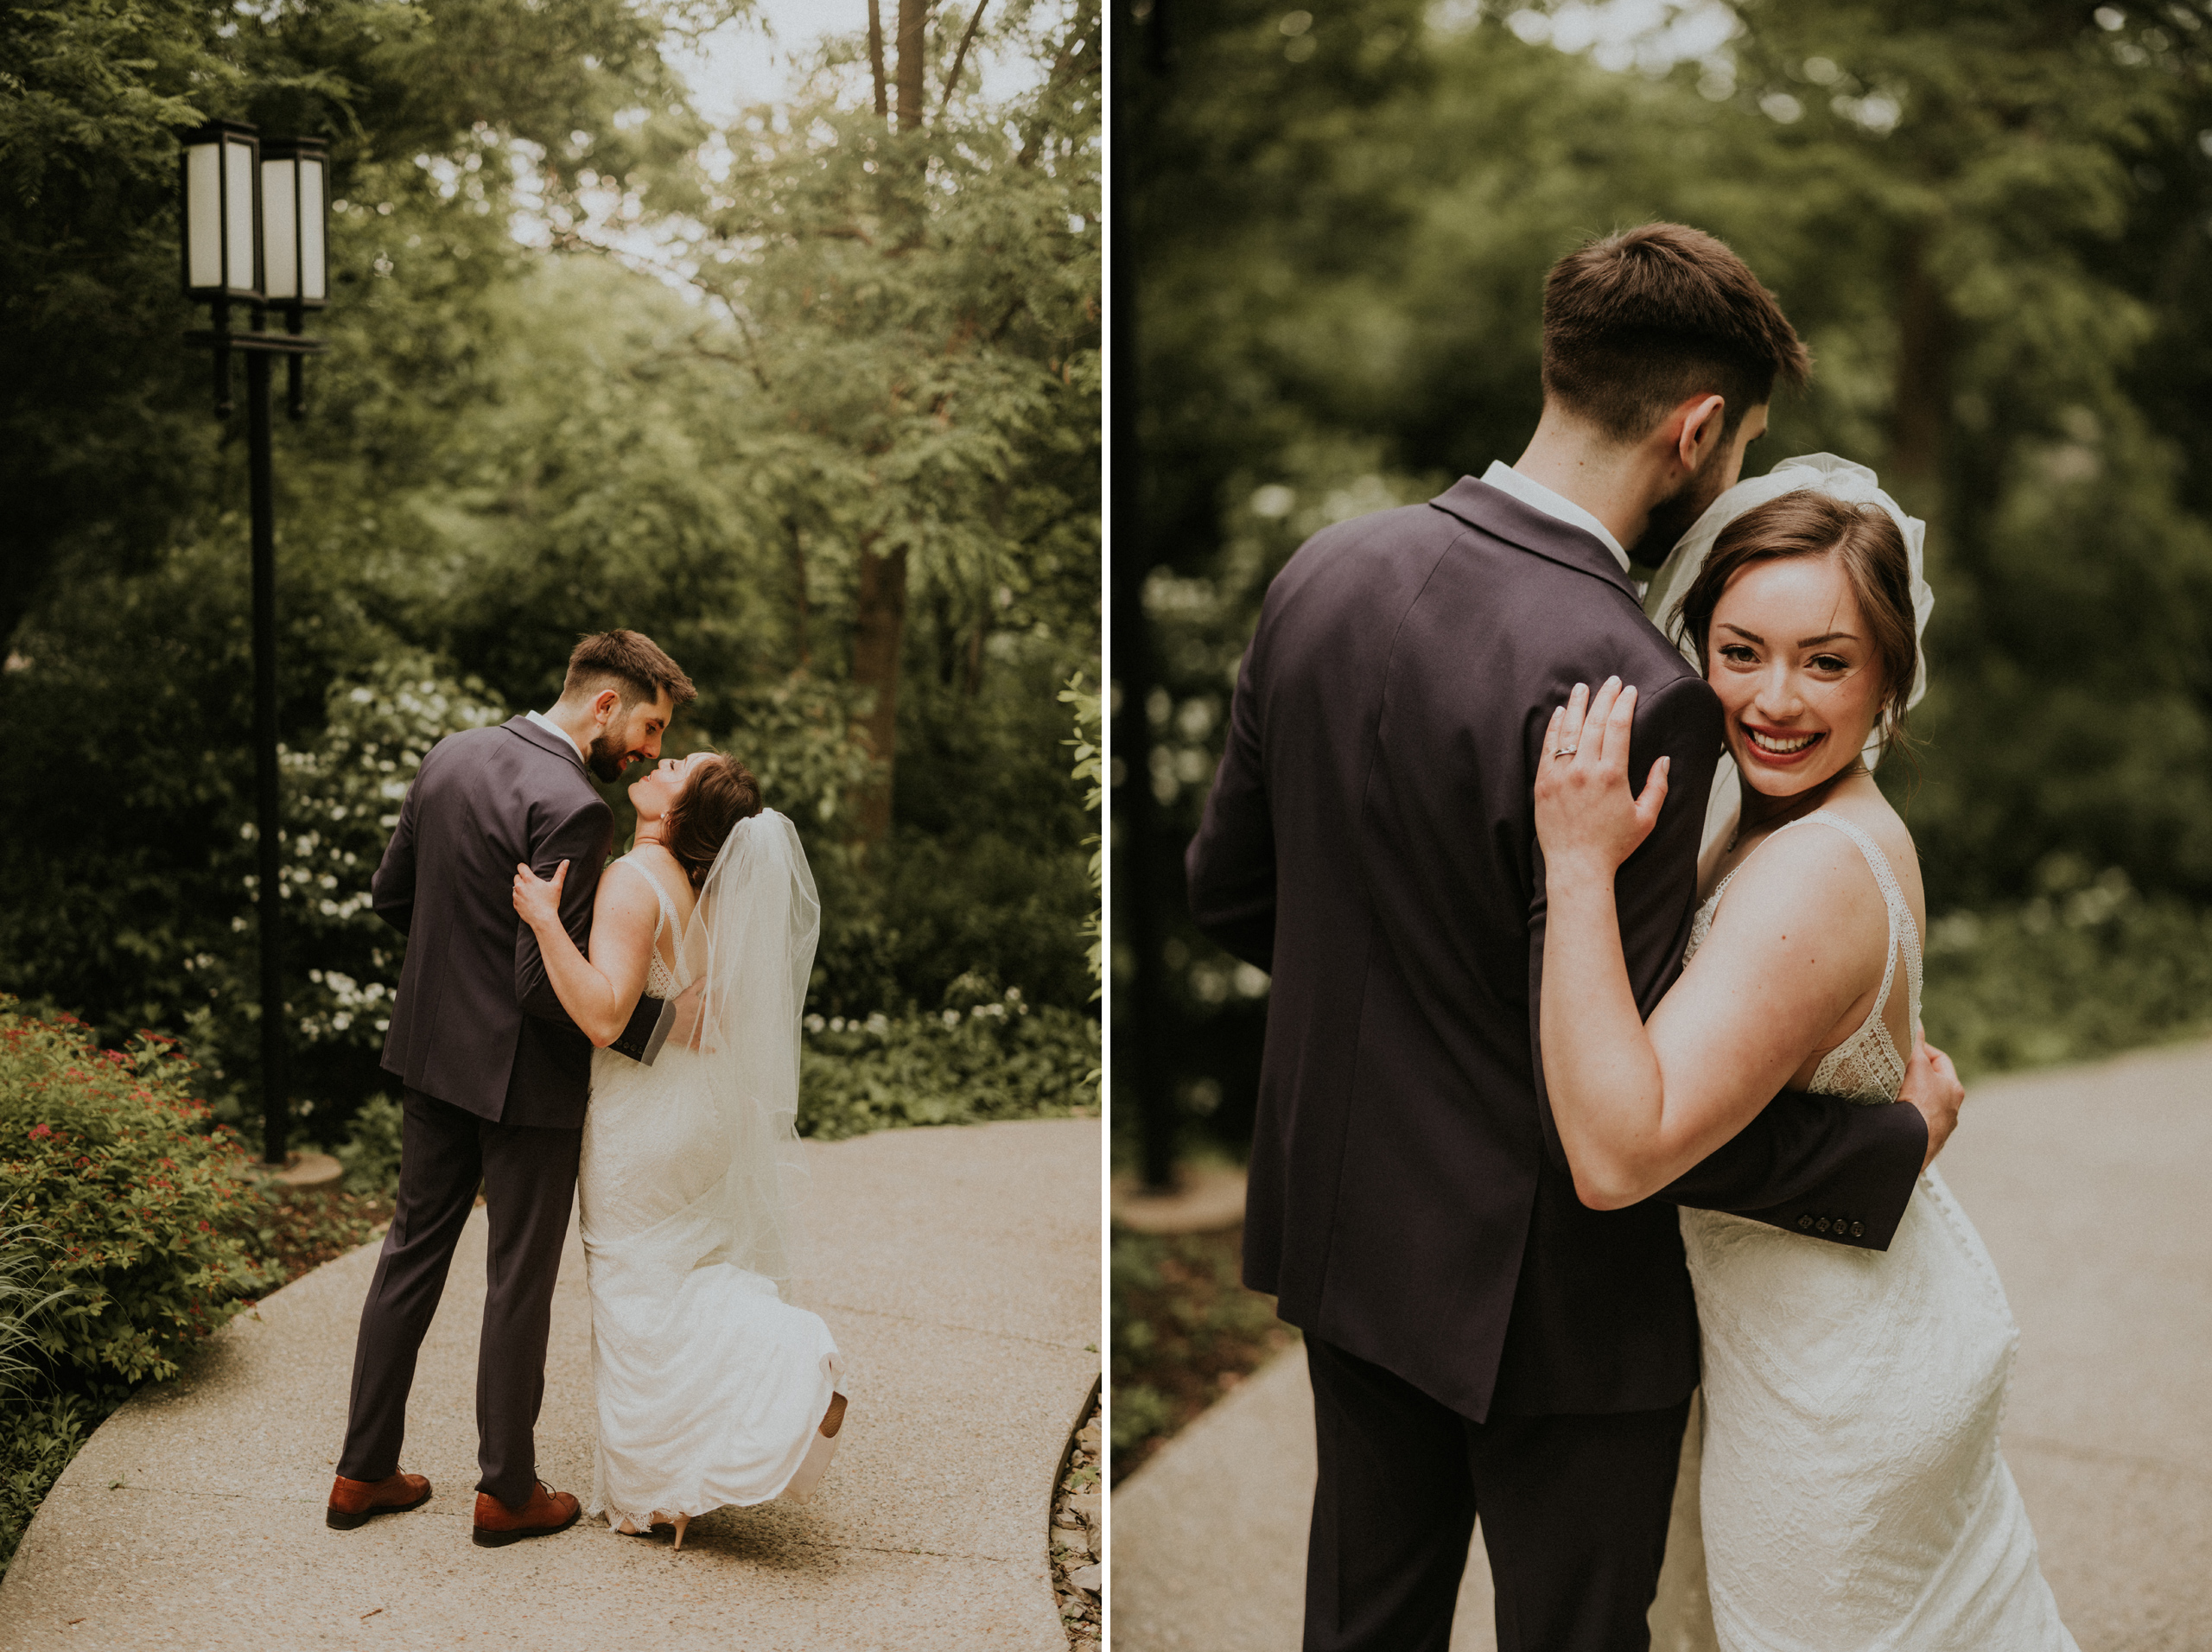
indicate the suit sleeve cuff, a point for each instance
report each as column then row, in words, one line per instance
column 1861, row 1210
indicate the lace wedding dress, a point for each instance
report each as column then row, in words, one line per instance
column 1851, row 1490
column 711, row 1388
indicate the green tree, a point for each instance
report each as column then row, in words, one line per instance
column 1987, row 219
column 514, row 440
column 912, row 305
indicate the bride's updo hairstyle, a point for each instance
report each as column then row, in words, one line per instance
column 720, row 792
column 1863, row 538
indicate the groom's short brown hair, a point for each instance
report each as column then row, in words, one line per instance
column 631, row 662
column 1637, row 323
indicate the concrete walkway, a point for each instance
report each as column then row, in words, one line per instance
column 2088, row 1185
column 958, row 1269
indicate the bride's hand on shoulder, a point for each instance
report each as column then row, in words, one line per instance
column 1587, row 819
column 538, row 899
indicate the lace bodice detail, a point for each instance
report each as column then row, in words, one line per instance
column 1867, row 1066
column 662, row 979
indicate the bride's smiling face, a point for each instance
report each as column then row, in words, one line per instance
column 652, row 792
column 1788, row 651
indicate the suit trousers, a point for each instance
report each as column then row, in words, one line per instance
column 529, row 1177
column 1573, row 1509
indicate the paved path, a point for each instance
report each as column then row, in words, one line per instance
column 2090, row 1185
column 959, row 1271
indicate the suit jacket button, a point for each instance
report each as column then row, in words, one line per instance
column 1858, row 1230
column 1805, row 1225
column 1822, row 1224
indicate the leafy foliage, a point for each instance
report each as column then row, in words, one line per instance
column 38, row 1436
column 137, row 1205
column 1988, row 221
column 521, row 433
column 139, row 895
column 370, row 1153
column 1185, row 1332
column 986, row 1055
column 2085, row 968
column 1088, row 771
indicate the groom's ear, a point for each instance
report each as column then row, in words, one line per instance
column 1697, row 425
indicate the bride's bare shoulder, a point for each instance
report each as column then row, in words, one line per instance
column 664, row 872
column 1863, row 804
column 1800, row 880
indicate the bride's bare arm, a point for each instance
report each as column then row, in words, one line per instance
column 1636, row 1105
column 601, row 991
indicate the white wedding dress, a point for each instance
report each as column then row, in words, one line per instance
column 1851, row 1490
column 711, row 1388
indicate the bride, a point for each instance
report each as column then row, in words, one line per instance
column 1852, row 1494
column 712, row 1389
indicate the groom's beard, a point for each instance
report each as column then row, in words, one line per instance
column 607, row 759
column 1672, row 518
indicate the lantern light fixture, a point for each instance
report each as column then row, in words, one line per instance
column 219, row 180
column 294, row 204
column 252, row 224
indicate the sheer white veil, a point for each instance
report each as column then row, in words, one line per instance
column 1815, row 473
column 749, row 947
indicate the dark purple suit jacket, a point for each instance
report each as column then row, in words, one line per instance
column 1370, row 839
column 476, row 1022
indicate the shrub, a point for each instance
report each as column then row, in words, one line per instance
column 342, row 788
column 38, row 1436
column 23, row 1301
column 2085, row 969
column 105, row 1156
column 987, row 1055
column 370, row 1154
column 1185, row 1332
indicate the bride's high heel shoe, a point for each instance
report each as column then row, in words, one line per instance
column 654, row 1523
column 819, row 1451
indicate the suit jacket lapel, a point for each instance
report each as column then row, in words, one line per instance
column 545, row 739
column 1503, row 517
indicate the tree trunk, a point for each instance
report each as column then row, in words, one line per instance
column 1927, row 336
column 913, row 50
column 879, row 628
column 875, row 56
column 801, row 630
column 975, row 683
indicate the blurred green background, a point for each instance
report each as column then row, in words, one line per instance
column 809, row 394
column 1992, row 222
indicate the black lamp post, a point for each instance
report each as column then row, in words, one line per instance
column 253, row 223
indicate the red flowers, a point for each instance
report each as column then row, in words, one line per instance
column 40, row 1132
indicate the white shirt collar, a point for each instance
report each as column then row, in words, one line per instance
column 1535, row 495
column 547, row 723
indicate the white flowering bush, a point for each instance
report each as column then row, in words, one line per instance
column 985, row 1054
column 341, row 801
column 340, row 797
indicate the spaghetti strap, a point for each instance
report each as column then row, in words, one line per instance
column 667, row 907
column 1903, row 928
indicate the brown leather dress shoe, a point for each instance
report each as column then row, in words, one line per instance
column 355, row 1502
column 548, row 1511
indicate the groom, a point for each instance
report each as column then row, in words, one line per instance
column 1478, row 1340
column 496, row 1076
